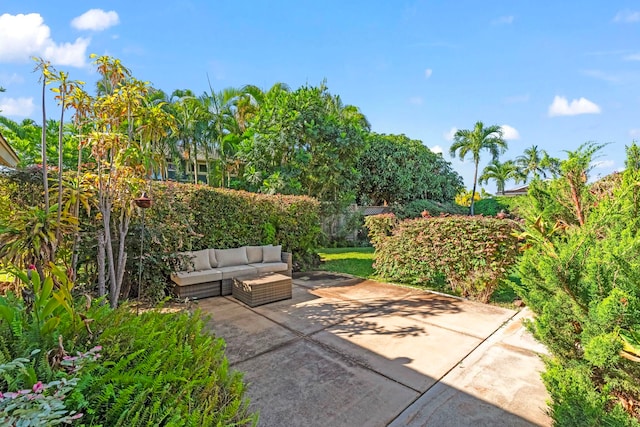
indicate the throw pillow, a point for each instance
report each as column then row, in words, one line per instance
column 212, row 258
column 254, row 254
column 272, row 253
column 200, row 260
column 229, row 257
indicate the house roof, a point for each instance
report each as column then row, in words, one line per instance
column 8, row 157
column 517, row 191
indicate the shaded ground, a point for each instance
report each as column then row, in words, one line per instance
column 354, row 352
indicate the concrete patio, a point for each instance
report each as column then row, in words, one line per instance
column 350, row 352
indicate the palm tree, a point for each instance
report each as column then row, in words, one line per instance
column 473, row 141
column 500, row 173
column 532, row 163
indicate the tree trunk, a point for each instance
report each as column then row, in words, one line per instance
column 102, row 288
column 473, row 193
column 45, row 175
column 60, row 188
column 123, row 228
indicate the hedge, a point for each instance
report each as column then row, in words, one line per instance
column 467, row 255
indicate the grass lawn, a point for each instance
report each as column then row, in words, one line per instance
column 358, row 262
column 355, row 261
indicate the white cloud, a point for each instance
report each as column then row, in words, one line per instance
column 20, row 107
column 597, row 74
column 503, row 20
column 632, row 57
column 436, row 149
column 24, row 36
column 450, row 134
column 416, row 100
column 561, row 107
column 95, row 20
column 627, row 16
column 603, row 164
column 509, row 132
column 427, row 73
column 634, row 133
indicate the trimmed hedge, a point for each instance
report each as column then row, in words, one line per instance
column 468, row 255
column 415, row 208
column 193, row 217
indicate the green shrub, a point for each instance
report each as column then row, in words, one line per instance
column 579, row 274
column 415, row 208
column 470, row 254
column 490, row 207
column 155, row 368
column 160, row 369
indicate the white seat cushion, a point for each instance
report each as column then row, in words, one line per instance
column 237, row 270
column 270, row 267
column 185, row 278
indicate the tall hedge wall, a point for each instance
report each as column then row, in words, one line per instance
column 201, row 217
column 469, row 255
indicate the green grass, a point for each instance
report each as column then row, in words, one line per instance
column 355, row 261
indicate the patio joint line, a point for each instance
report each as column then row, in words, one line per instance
column 482, row 341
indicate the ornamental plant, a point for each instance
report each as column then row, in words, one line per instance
column 579, row 273
column 469, row 256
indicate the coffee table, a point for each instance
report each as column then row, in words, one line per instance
column 262, row 289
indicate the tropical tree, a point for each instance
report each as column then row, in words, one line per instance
column 531, row 163
column 474, row 141
column 304, row 142
column 396, row 169
column 500, row 173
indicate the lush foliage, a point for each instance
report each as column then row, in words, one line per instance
column 492, row 206
column 396, row 169
column 579, row 274
column 470, row 255
column 304, row 142
column 154, row 368
column 160, row 369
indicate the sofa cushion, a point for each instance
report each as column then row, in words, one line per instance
column 184, row 278
column 254, row 254
column 237, row 270
column 270, row 267
column 198, row 260
column 229, row 257
column 272, row 253
column 212, row 258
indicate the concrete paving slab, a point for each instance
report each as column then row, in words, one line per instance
column 308, row 312
column 368, row 290
column 245, row 332
column 305, row 384
column 409, row 351
column 469, row 317
column 497, row 384
column 324, row 279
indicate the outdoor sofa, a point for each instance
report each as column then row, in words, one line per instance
column 211, row 272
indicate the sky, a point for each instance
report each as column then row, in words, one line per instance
column 554, row 74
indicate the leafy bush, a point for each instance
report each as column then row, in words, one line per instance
column 415, row 208
column 490, row 207
column 580, row 275
column 470, row 254
column 155, row 368
column 160, row 369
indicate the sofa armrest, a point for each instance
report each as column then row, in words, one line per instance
column 287, row 257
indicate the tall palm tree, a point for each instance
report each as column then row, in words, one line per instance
column 474, row 141
column 500, row 173
column 532, row 163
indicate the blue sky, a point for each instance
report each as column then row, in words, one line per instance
column 554, row 74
